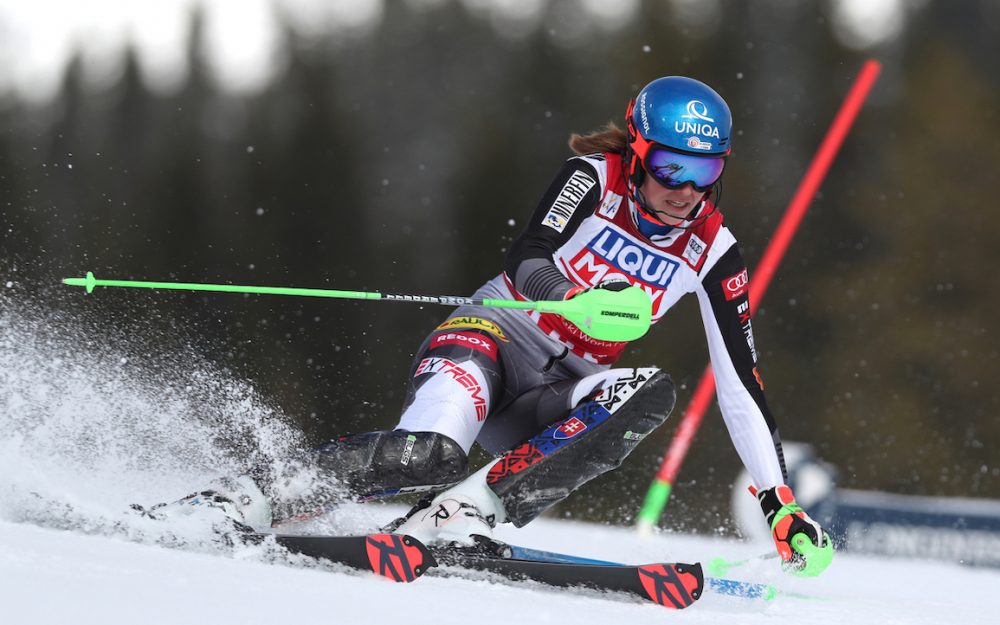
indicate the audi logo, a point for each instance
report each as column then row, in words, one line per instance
column 738, row 281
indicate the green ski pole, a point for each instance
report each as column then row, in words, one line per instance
column 602, row 314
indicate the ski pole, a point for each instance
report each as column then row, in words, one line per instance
column 602, row 314
column 719, row 566
column 660, row 488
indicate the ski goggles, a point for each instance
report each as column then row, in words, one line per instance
column 674, row 170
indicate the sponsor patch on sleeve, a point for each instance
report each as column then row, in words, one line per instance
column 568, row 200
column 735, row 286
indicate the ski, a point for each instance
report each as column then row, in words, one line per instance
column 672, row 585
column 720, row 585
column 403, row 558
column 397, row 557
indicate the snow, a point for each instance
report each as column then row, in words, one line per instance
column 57, row 577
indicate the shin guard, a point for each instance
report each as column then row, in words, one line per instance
column 595, row 438
column 363, row 466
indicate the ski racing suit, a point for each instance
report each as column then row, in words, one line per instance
column 533, row 389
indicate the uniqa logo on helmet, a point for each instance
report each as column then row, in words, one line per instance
column 697, row 110
column 702, row 129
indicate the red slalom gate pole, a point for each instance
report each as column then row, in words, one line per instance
column 659, row 490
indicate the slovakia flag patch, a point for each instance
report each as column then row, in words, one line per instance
column 570, row 428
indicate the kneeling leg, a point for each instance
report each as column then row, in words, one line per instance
column 596, row 437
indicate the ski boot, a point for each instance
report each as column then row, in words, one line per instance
column 464, row 515
column 453, row 519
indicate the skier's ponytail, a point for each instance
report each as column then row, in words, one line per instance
column 611, row 138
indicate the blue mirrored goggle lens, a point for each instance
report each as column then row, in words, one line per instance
column 675, row 170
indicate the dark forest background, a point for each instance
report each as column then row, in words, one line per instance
column 406, row 160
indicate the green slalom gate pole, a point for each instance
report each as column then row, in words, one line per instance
column 600, row 313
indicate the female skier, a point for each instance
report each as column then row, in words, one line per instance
column 634, row 207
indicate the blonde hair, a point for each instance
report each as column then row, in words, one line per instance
column 611, row 138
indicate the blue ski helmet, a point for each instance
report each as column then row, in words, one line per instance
column 678, row 131
column 683, row 114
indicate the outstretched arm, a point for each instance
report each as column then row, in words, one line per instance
column 725, row 308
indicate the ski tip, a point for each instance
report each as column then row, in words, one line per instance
column 398, row 557
column 674, row 586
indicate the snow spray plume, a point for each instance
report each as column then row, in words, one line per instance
column 101, row 422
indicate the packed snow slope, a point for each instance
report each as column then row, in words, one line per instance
column 89, row 426
column 58, row 577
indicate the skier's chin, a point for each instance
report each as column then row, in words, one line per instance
column 670, row 218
